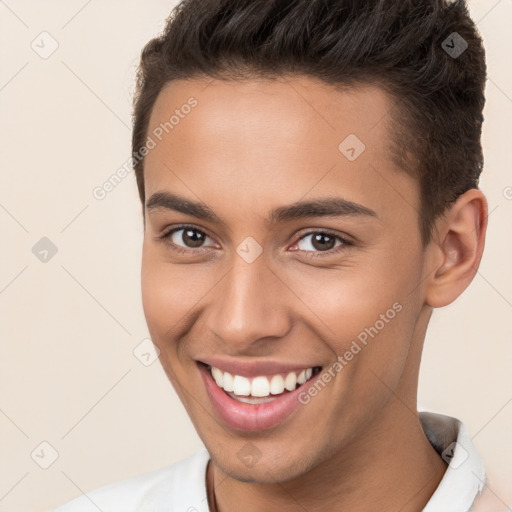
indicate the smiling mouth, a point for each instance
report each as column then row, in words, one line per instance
column 263, row 388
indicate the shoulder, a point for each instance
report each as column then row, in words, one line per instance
column 180, row 483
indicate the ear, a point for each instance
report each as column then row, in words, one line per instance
column 456, row 248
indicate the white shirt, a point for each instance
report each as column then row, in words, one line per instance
column 181, row 487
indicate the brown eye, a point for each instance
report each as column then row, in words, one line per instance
column 186, row 237
column 319, row 241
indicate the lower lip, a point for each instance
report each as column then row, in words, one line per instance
column 252, row 417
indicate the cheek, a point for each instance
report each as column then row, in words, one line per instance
column 347, row 300
column 364, row 313
column 368, row 330
column 162, row 294
column 171, row 293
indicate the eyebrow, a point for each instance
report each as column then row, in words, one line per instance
column 322, row 207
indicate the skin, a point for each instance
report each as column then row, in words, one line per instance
column 245, row 149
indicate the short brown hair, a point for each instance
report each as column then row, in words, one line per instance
column 427, row 54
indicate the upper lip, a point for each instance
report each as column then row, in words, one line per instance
column 252, row 369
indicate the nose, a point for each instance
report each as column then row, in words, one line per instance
column 249, row 307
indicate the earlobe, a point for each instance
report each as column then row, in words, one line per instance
column 457, row 248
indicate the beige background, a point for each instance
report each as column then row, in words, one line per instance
column 68, row 327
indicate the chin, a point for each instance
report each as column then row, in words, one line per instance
column 265, row 471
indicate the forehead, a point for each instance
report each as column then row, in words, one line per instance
column 270, row 138
column 294, row 107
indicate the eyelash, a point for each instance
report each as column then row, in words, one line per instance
column 167, row 234
column 182, row 250
column 335, row 250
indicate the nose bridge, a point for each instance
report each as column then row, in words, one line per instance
column 249, row 305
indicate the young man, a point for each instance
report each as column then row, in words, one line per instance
column 308, row 172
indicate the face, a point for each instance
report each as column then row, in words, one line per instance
column 277, row 249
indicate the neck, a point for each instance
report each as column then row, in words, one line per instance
column 388, row 468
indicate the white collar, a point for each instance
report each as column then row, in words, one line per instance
column 465, row 475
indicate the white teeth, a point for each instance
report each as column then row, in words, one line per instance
column 218, row 376
column 251, row 399
column 290, row 383
column 301, row 378
column 276, row 385
column 227, row 381
column 241, row 386
column 259, row 386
